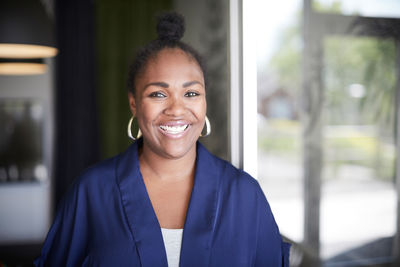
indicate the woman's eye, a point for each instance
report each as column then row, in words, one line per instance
column 191, row 94
column 157, row 94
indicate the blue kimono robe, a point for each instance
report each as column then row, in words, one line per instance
column 107, row 219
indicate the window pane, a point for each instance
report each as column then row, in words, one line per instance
column 279, row 129
column 358, row 207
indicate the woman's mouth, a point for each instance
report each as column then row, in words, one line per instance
column 174, row 129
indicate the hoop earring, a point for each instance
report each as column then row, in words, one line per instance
column 139, row 134
column 208, row 128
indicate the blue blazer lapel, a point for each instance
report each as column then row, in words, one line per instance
column 139, row 211
column 200, row 217
column 142, row 220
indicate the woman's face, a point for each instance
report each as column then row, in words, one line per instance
column 170, row 103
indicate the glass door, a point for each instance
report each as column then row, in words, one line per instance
column 358, row 195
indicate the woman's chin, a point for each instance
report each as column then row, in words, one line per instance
column 170, row 145
column 177, row 150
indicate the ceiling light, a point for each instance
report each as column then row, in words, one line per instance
column 22, row 67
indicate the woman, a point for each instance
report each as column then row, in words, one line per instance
column 166, row 201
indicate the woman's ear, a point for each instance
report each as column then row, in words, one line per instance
column 132, row 103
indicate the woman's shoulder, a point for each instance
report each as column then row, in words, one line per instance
column 94, row 187
column 101, row 171
column 100, row 175
column 231, row 175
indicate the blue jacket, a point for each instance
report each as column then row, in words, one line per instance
column 107, row 219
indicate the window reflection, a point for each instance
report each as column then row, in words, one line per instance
column 21, row 154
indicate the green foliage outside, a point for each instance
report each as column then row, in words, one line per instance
column 286, row 61
column 351, row 146
column 280, row 137
column 334, row 7
column 366, row 61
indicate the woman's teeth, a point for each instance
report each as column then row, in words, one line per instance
column 174, row 129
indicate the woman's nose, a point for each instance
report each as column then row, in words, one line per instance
column 176, row 107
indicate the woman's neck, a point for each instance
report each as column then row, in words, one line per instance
column 166, row 169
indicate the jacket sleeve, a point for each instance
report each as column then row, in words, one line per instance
column 285, row 253
column 66, row 240
column 271, row 250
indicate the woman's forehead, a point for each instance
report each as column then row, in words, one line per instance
column 173, row 63
column 167, row 55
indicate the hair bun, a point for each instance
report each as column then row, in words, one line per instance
column 170, row 26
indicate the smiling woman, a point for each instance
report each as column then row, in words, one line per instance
column 170, row 104
column 165, row 201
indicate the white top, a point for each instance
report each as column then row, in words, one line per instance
column 172, row 243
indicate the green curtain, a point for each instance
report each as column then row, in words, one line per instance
column 122, row 26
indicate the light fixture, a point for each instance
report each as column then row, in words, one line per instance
column 26, row 32
column 22, row 67
column 26, row 51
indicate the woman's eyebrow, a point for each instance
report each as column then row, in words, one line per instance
column 187, row 84
column 159, row 84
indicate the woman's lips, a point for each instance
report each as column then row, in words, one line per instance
column 174, row 129
column 177, row 129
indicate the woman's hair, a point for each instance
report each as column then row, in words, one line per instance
column 170, row 30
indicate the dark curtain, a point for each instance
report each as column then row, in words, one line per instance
column 76, row 138
column 95, row 37
column 122, row 26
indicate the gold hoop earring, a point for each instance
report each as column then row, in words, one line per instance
column 139, row 133
column 208, row 128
